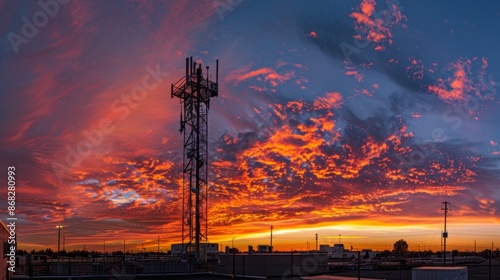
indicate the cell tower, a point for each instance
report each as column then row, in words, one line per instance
column 194, row 92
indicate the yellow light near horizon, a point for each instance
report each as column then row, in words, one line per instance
column 374, row 235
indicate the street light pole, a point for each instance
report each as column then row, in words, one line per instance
column 316, row 242
column 58, row 240
column 234, row 259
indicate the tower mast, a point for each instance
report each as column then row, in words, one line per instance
column 194, row 92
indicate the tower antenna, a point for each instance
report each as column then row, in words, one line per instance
column 194, row 92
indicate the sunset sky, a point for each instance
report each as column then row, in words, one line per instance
column 356, row 118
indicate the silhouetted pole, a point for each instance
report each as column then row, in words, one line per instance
column 359, row 264
column 213, row 268
column 234, row 262
column 271, row 245
column 58, row 240
column 445, row 233
column 489, row 267
column 316, row 242
column 401, row 270
column 441, row 248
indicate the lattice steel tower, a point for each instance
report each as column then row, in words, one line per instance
column 194, row 92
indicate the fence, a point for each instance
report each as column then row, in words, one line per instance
column 239, row 265
column 104, row 266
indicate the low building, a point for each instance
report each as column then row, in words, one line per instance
column 208, row 248
column 5, row 251
column 264, row 249
column 337, row 251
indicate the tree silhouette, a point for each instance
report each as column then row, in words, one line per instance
column 367, row 255
column 401, row 247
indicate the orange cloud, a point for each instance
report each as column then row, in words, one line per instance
column 329, row 101
column 415, row 70
column 376, row 28
column 351, row 71
column 263, row 74
column 312, row 34
column 456, row 84
column 464, row 81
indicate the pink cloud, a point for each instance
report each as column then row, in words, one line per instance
column 465, row 80
column 376, row 28
column 312, row 34
column 263, row 74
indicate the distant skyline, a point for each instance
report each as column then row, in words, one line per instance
column 356, row 118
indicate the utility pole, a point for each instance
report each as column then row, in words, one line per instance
column 124, row 246
column 441, row 248
column 158, row 244
column 489, row 266
column 445, row 233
